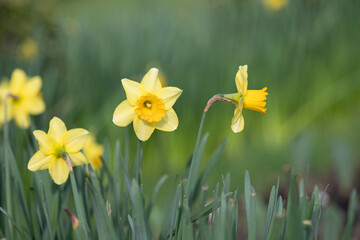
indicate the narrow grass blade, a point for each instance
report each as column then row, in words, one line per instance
column 250, row 205
column 293, row 220
column 141, row 229
column 208, row 168
column 353, row 204
column 195, row 167
column 12, row 221
column 195, row 159
column 155, row 193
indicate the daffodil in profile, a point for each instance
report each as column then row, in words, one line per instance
column 23, row 98
column 148, row 106
column 244, row 98
column 93, row 152
column 56, row 148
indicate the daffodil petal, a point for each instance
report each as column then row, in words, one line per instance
column 46, row 143
column 17, row 82
column 39, row 161
column 237, row 123
column 151, row 81
column 34, row 105
column 75, row 139
column 241, row 79
column 33, row 86
column 59, row 170
column 22, row 119
column 133, row 90
column 143, row 129
column 124, row 114
column 169, row 123
column 57, row 129
column 169, row 95
column 77, row 158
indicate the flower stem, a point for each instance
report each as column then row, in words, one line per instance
column 8, row 188
column 138, row 163
column 217, row 98
column 192, row 174
column 77, row 199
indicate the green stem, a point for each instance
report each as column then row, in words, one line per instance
column 192, row 175
column 78, row 203
column 7, row 167
column 138, row 163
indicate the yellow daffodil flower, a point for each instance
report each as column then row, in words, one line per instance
column 22, row 96
column 148, row 106
column 55, row 147
column 244, row 98
column 275, row 5
column 93, row 152
column 28, row 49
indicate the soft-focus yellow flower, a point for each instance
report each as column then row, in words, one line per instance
column 23, row 97
column 275, row 5
column 93, row 151
column 249, row 99
column 4, row 90
column 148, row 106
column 28, row 49
column 55, row 147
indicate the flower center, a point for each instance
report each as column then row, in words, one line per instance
column 150, row 108
column 255, row 100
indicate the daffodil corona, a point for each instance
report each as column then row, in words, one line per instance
column 57, row 146
column 244, row 98
column 22, row 97
column 148, row 106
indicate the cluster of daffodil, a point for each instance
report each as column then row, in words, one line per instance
column 21, row 97
column 148, row 106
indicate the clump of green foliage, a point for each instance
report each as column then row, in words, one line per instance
column 116, row 207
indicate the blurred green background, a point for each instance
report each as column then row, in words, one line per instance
column 306, row 53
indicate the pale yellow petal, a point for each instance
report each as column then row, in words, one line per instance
column 33, row 86
column 151, row 81
column 17, row 82
column 77, row 159
column 59, row 170
column 143, row 129
column 39, row 161
column 133, row 90
column 237, row 123
column 21, row 117
column 46, row 143
column 124, row 114
column 169, row 123
column 57, row 129
column 33, row 105
column 169, row 95
column 241, row 79
column 75, row 139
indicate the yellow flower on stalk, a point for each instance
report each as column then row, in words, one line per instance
column 93, row 152
column 56, row 147
column 244, row 98
column 148, row 106
column 28, row 49
column 22, row 96
column 275, row 5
